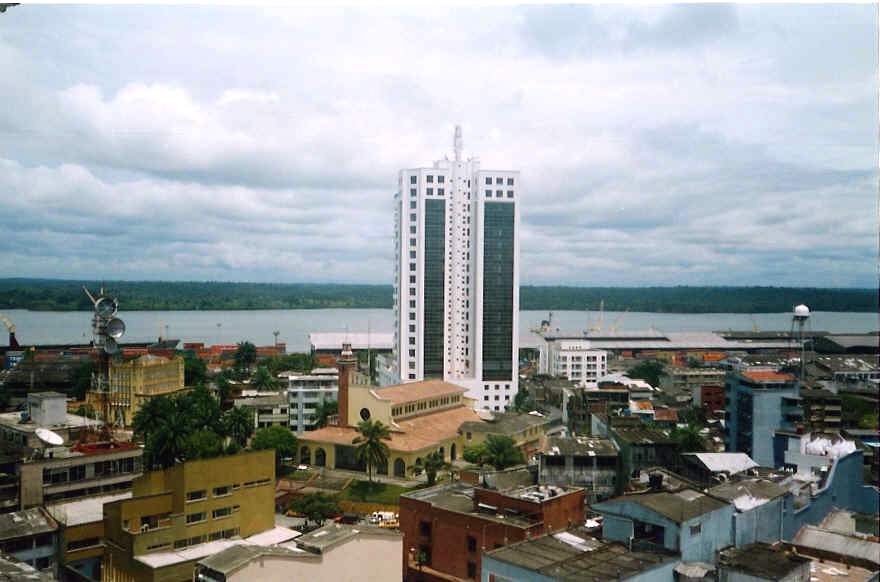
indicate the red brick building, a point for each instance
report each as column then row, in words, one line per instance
column 446, row 528
column 712, row 399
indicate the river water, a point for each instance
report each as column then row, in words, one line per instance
column 294, row 325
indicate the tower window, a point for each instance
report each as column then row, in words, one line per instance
column 430, row 179
column 488, row 181
column 412, row 179
column 510, row 181
column 441, row 179
column 498, row 180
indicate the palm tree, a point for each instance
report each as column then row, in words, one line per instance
column 324, row 409
column 168, row 443
column 245, row 355
column 688, row 439
column 432, row 464
column 263, row 379
column 371, row 450
column 151, row 415
column 238, row 424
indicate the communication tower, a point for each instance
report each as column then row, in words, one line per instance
column 106, row 330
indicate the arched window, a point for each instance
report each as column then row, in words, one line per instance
column 320, row 457
column 399, row 468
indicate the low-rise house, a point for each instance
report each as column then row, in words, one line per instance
column 761, row 506
column 710, row 468
column 447, row 527
column 588, row 462
column 266, row 409
column 30, row 536
column 526, row 430
column 333, row 553
column 687, row 522
column 640, row 446
column 47, row 410
column 574, row 556
column 822, row 410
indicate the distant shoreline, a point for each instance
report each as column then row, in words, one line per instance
column 47, row 295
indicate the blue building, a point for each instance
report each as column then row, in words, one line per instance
column 760, row 509
column 758, row 403
column 687, row 522
column 574, row 555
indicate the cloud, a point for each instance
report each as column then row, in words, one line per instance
column 658, row 144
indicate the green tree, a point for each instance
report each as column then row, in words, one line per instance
column 86, row 410
column 297, row 362
column 167, row 443
column 223, row 382
column 245, row 355
column 501, row 452
column 474, row 454
column 264, row 380
column 82, row 379
column 523, row 402
column 317, row 507
column 202, row 410
column 275, row 437
column 323, row 410
column 688, row 439
column 432, row 464
column 649, row 371
column 238, row 424
column 195, row 371
column 203, row 444
column 151, row 415
column 371, row 448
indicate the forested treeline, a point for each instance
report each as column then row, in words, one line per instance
column 67, row 295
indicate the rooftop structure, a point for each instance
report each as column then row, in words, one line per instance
column 588, row 462
column 709, row 468
column 761, row 562
column 326, row 554
column 30, row 536
column 332, row 341
column 853, row 549
column 573, row 556
column 12, row 570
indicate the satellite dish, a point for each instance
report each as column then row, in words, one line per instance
column 49, row 437
column 110, row 346
column 116, row 328
column 106, row 307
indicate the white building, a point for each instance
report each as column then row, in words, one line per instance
column 305, row 391
column 575, row 360
column 456, row 278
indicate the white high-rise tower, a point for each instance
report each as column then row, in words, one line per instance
column 456, row 278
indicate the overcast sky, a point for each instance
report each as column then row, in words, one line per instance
column 658, row 145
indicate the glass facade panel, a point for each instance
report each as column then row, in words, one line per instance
column 434, row 278
column 498, row 291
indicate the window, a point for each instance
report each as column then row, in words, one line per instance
column 472, row 570
column 412, row 242
column 430, row 191
column 196, row 517
column 488, row 181
column 412, row 353
column 441, row 179
column 696, row 529
column 196, row 495
column 412, row 254
column 412, row 179
column 496, row 397
column 440, row 191
column 222, row 491
column 510, row 193
column 510, row 181
column 412, row 204
column 488, row 193
column 499, row 180
column 412, row 191
column 430, row 179
column 412, row 329
column 221, row 512
column 498, row 193
column 468, row 435
column 412, row 279
column 412, row 229
column 471, row 544
column 412, row 316
column 425, row 529
column 412, row 266
column 412, row 217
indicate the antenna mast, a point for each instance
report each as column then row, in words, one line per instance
column 457, row 143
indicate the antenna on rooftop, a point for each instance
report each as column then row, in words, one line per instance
column 457, row 143
column 801, row 319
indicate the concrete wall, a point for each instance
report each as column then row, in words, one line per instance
column 761, row 524
column 498, row 571
column 716, row 532
column 616, row 528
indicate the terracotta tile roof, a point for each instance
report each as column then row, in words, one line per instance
column 667, row 414
column 418, row 391
column 415, row 434
column 767, row 376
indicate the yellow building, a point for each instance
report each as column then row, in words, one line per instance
column 135, row 381
column 175, row 515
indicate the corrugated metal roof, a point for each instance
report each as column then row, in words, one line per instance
column 725, row 462
column 845, row 545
